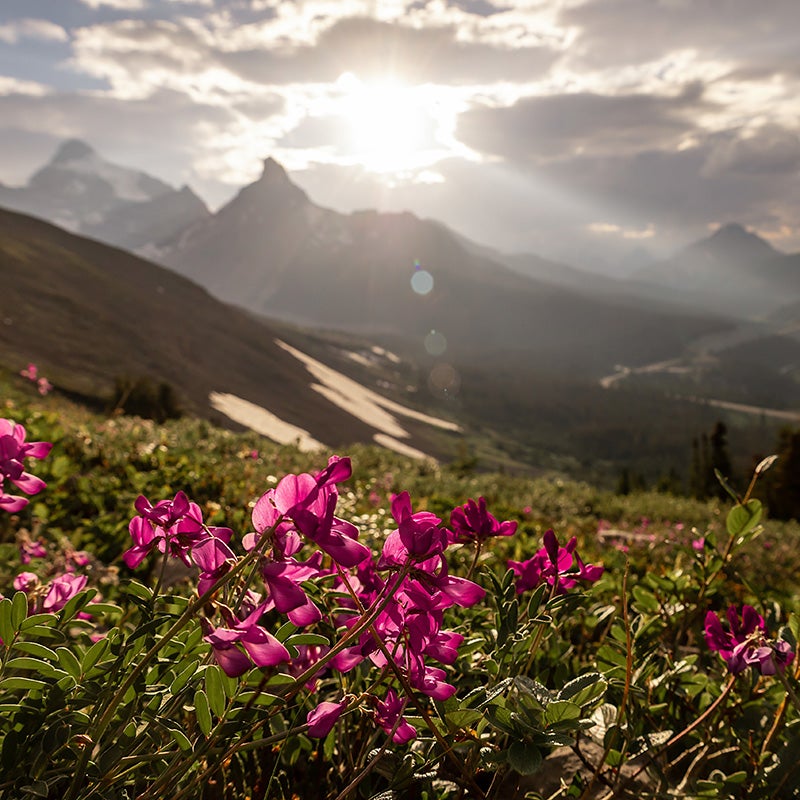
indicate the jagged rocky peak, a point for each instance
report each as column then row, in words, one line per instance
column 273, row 172
column 72, row 150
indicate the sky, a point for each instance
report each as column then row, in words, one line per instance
column 583, row 130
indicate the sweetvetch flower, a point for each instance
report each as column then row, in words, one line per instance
column 260, row 647
column 322, row 719
column 387, row 713
column 13, row 452
column 171, row 526
column 746, row 644
column 555, row 565
column 472, row 522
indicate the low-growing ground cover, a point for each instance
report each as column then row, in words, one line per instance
column 195, row 613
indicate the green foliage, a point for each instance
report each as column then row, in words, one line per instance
column 619, row 673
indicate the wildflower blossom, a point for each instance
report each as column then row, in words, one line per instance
column 387, row 714
column 307, row 502
column 745, row 644
column 31, row 372
column 260, row 647
column 61, row 590
column 472, row 522
column 30, row 550
column 322, row 719
column 556, row 566
column 171, row 526
column 13, row 452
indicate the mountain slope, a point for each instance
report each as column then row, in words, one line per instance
column 732, row 272
column 81, row 191
column 275, row 252
column 88, row 313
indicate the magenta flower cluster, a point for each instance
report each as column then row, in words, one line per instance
column 745, row 643
column 560, row 567
column 13, row 452
column 31, row 372
column 404, row 592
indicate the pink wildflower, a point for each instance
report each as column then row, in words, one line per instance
column 13, row 452
column 745, row 643
column 387, row 713
column 555, row 565
column 473, row 523
column 322, row 719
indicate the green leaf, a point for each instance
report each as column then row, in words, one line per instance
column 202, row 711
column 743, row 518
column 101, row 609
column 260, row 699
column 139, row 590
column 36, row 649
column 19, row 609
column 180, row 738
column 183, row 677
column 501, row 718
column 723, row 482
column 43, row 632
column 645, row 600
column 37, row 789
column 463, row 717
column 285, row 631
column 308, row 639
column 524, row 757
column 76, row 604
column 69, row 661
column 584, row 689
column 28, row 662
column 561, row 711
column 216, row 693
column 93, row 655
column 21, row 683
column 7, row 629
column 38, row 619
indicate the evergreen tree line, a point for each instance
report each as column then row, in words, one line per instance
column 778, row 488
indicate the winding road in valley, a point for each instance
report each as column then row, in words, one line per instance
column 677, row 366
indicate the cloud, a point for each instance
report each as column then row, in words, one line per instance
column 13, row 86
column 372, row 48
column 28, row 28
column 537, row 128
column 624, row 32
column 769, row 150
column 120, row 5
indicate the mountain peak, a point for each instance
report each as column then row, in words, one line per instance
column 72, row 150
column 735, row 235
column 273, row 172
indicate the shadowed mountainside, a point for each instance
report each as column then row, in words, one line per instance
column 89, row 313
column 273, row 251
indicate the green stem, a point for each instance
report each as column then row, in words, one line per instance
column 410, row 695
column 297, row 684
column 108, row 713
column 474, row 560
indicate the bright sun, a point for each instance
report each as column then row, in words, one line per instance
column 389, row 125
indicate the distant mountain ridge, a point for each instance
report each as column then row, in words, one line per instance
column 88, row 313
column 732, row 272
column 275, row 252
column 82, row 192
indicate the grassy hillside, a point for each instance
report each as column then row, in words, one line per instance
column 99, row 466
